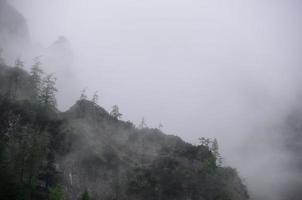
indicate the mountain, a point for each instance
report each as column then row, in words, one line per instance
column 58, row 58
column 14, row 33
column 85, row 151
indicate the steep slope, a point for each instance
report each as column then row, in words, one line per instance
column 44, row 152
column 114, row 160
column 30, row 135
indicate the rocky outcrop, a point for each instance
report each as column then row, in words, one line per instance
column 14, row 33
column 58, row 58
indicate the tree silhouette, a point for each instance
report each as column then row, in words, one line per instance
column 115, row 113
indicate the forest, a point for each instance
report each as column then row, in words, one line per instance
column 89, row 153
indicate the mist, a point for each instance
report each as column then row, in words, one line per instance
column 221, row 69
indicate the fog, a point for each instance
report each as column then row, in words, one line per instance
column 224, row 69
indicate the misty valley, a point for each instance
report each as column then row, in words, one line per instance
column 230, row 130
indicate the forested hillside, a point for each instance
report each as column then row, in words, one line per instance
column 89, row 153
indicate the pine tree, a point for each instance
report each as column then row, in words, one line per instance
column 19, row 63
column 205, row 142
column 85, row 196
column 142, row 124
column 115, row 112
column 83, row 95
column 95, row 97
column 1, row 58
column 36, row 74
column 57, row 193
column 48, row 91
column 160, row 126
column 82, row 107
column 215, row 151
column 14, row 79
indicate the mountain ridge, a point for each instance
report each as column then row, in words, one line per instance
column 85, row 149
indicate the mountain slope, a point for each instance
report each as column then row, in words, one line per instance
column 114, row 160
column 86, row 149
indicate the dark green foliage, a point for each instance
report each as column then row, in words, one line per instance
column 142, row 163
column 47, row 95
column 85, row 196
column 115, row 113
column 162, row 180
column 56, row 193
column 30, row 136
column 96, row 150
column 29, row 139
column 36, row 74
column 170, row 178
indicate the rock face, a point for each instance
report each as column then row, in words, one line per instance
column 58, row 58
column 14, row 34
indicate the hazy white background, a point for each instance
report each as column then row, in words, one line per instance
column 226, row 69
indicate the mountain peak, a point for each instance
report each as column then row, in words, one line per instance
column 87, row 109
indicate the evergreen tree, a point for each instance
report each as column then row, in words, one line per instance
column 19, row 63
column 83, row 94
column 14, row 80
column 115, row 112
column 48, row 91
column 205, row 142
column 36, row 74
column 142, row 124
column 85, row 196
column 1, row 58
column 215, row 151
column 160, row 126
column 56, row 193
column 95, row 98
column 82, row 109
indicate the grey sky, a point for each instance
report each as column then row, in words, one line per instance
column 225, row 69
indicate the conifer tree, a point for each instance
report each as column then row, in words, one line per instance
column 57, row 193
column 142, row 124
column 83, row 94
column 1, row 58
column 83, row 98
column 160, row 126
column 14, row 82
column 205, row 142
column 48, row 91
column 85, row 196
column 215, row 151
column 115, row 113
column 36, row 74
column 19, row 63
column 95, row 97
